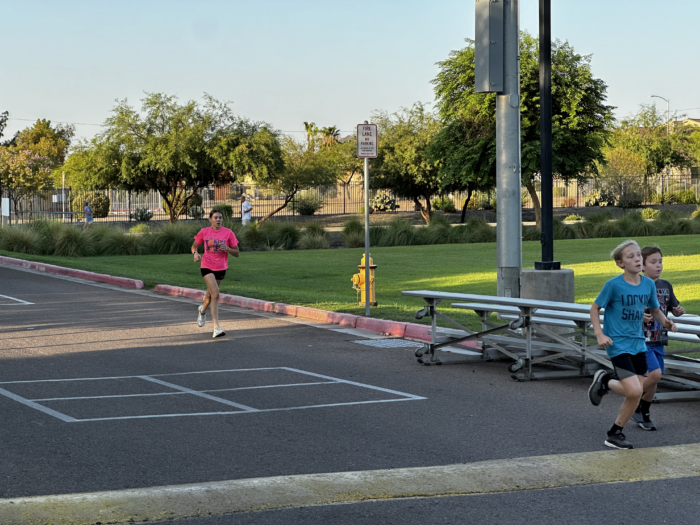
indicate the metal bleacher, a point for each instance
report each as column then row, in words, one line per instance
column 541, row 339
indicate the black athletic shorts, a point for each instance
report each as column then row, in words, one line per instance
column 219, row 274
column 628, row 365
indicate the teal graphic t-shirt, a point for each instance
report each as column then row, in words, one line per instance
column 624, row 306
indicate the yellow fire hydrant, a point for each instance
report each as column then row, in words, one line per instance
column 358, row 282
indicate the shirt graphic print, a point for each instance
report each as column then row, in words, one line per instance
column 654, row 333
column 215, row 242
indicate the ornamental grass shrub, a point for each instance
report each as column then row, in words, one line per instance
column 313, row 241
column 172, row 238
column 20, row 240
column 74, row 242
column 400, row 232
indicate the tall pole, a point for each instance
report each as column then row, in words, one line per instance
column 367, row 297
column 508, row 183
column 63, row 195
column 546, row 212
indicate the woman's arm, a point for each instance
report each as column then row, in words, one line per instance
column 194, row 251
column 234, row 250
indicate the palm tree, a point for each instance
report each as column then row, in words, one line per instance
column 329, row 136
column 311, row 131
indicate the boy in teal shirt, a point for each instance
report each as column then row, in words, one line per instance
column 624, row 298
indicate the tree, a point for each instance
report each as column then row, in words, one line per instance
column 47, row 141
column 176, row 149
column 311, row 133
column 465, row 150
column 579, row 116
column 23, row 173
column 645, row 134
column 329, row 136
column 403, row 164
column 303, row 169
column 4, row 117
column 622, row 176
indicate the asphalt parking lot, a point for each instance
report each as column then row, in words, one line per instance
column 105, row 389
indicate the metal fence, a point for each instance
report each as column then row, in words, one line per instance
column 342, row 199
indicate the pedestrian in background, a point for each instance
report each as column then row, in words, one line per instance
column 88, row 215
column 246, row 209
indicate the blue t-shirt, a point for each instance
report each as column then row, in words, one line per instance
column 624, row 313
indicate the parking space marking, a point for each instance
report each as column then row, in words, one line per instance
column 180, row 393
column 37, row 406
column 14, row 300
column 205, row 394
column 199, row 394
column 395, row 392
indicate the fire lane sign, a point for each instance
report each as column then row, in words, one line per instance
column 367, row 141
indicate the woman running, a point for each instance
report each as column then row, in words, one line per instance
column 218, row 243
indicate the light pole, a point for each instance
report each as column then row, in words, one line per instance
column 668, row 120
column 668, row 111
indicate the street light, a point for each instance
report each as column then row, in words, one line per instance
column 668, row 105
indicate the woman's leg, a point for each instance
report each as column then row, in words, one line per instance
column 631, row 389
column 212, row 297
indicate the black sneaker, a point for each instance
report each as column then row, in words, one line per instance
column 618, row 441
column 647, row 424
column 596, row 391
column 637, row 416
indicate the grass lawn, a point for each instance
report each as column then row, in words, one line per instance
column 321, row 278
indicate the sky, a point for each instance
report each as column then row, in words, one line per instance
column 289, row 61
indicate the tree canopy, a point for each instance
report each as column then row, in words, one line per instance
column 403, row 164
column 303, row 168
column 175, row 149
column 580, row 117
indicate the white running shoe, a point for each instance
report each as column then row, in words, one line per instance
column 201, row 318
column 218, row 332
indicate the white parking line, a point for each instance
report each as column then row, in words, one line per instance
column 15, row 301
column 179, row 390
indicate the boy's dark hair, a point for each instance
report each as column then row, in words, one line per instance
column 650, row 250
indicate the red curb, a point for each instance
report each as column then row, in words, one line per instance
column 417, row 331
column 190, row 293
column 70, row 272
column 381, row 326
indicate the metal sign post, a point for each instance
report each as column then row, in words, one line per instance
column 367, row 149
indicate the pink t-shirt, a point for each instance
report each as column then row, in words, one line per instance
column 215, row 256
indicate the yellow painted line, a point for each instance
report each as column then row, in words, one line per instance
column 248, row 495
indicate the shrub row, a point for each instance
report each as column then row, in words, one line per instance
column 50, row 238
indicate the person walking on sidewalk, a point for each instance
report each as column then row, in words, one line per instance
column 218, row 242
column 624, row 298
column 246, row 209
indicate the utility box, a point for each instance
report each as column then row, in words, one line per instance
column 488, row 46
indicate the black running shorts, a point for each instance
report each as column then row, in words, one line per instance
column 628, row 365
column 219, row 274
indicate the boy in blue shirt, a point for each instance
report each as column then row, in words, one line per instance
column 624, row 298
column 655, row 335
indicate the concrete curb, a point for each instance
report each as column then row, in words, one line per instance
column 70, row 272
column 382, row 326
column 256, row 494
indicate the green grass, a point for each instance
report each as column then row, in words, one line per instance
column 321, row 278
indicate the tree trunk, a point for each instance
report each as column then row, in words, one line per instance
column 424, row 210
column 535, row 204
column 464, row 208
column 287, row 200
